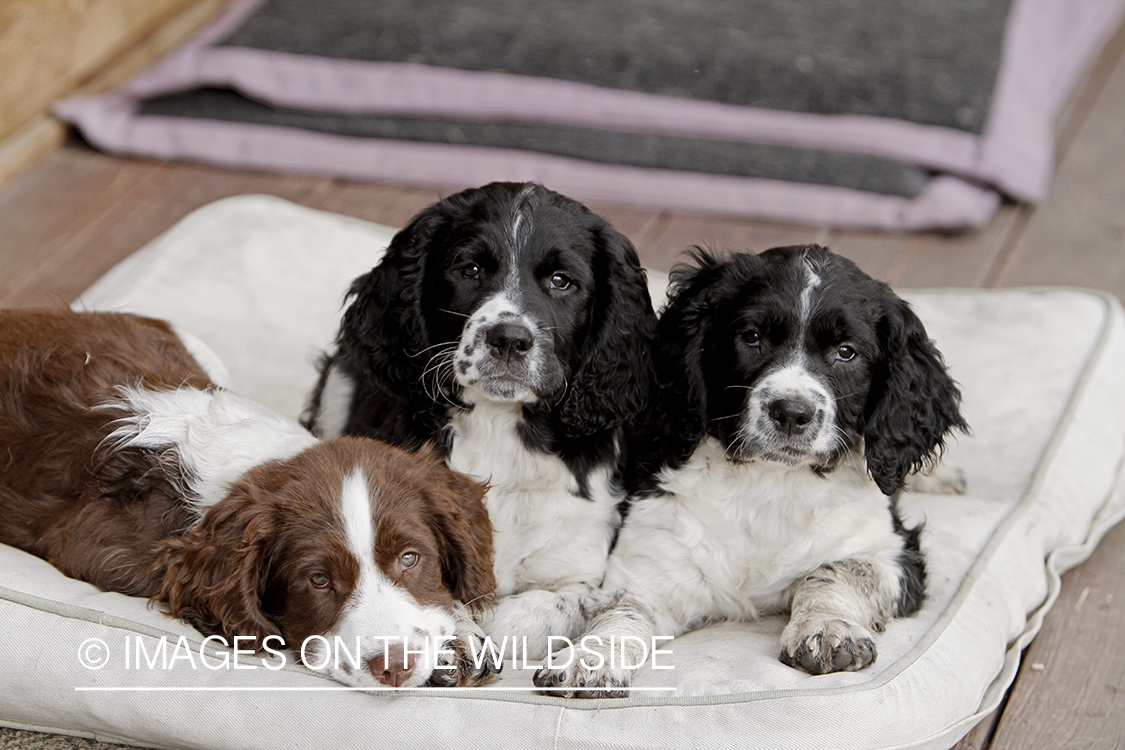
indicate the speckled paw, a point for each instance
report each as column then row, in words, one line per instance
column 466, row 662
column 821, row 647
column 574, row 680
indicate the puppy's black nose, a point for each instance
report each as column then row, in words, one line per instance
column 509, row 340
column 791, row 416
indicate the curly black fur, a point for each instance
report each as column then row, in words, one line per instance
column 900, row 406
column 407, row 307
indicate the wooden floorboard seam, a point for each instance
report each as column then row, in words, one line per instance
column 1004, row 259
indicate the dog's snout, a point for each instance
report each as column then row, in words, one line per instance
column 390, row 667
column 791, row 416
column 509, row 340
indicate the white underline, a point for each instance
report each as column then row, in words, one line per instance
column 345, row 688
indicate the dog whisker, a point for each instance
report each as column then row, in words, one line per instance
column 420, row 352
column 438, row 371
column 463, row 606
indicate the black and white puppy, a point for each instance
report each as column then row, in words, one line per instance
column 797, row 394
column 512, row 327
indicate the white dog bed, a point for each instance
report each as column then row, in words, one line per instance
column 261, row 281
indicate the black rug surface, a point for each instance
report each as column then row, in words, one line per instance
column 634, row 149
column 927, row 61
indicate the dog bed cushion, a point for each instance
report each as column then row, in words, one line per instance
column 261, row 282
column 885, row 113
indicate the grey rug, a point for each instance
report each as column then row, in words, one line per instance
column 926, row 61
column 900, row 114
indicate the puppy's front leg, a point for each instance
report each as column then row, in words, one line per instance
column 466, row 660
column 836, row 610
column 601, row 664
column 531, row 617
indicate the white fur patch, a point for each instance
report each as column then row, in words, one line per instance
column 812, row 281
column 545, row 535
column 731, row 539
column 734, row 541
column 335, row 402
column 217, row 435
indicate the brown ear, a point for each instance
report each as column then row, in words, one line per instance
column 212, row 577
column 460, row 522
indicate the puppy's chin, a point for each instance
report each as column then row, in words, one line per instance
column 498, row 390
column 744, row 449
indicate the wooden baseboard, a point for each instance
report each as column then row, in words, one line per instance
column 160, row 39
column 36, row 40
column 28, row 145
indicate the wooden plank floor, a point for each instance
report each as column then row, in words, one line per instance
column 78, row 212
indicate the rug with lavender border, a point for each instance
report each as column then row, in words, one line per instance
column 894, row 114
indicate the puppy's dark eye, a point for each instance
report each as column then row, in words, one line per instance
column 845, row 354
column 320, row 580
column 752, row 338
column 560, row 282
column 470, row 271
column 409, row 560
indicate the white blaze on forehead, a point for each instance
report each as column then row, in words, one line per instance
column 355, row 505
column 519, row 230
column 517, row 222
column 520, row 217
column 812, row 281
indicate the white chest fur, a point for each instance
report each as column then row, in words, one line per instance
column 545, row 535
column 729, row 539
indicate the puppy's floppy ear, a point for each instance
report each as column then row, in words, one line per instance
column 460, row 522
column 384, row 324
column 913, row 402
column 694, row 299
column 612, row 384
column 213, row 576
column 668, row 432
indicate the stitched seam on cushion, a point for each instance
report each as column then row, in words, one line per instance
column 558, row 727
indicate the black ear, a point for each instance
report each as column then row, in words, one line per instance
column 676, row 422
column 384, row 331
column 612, row 384
column 693, row 301
column 913, row 403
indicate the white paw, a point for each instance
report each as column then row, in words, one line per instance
column 533, row 615
column 580, row 675
column 820, row 646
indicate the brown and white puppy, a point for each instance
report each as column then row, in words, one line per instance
column 126, row 467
